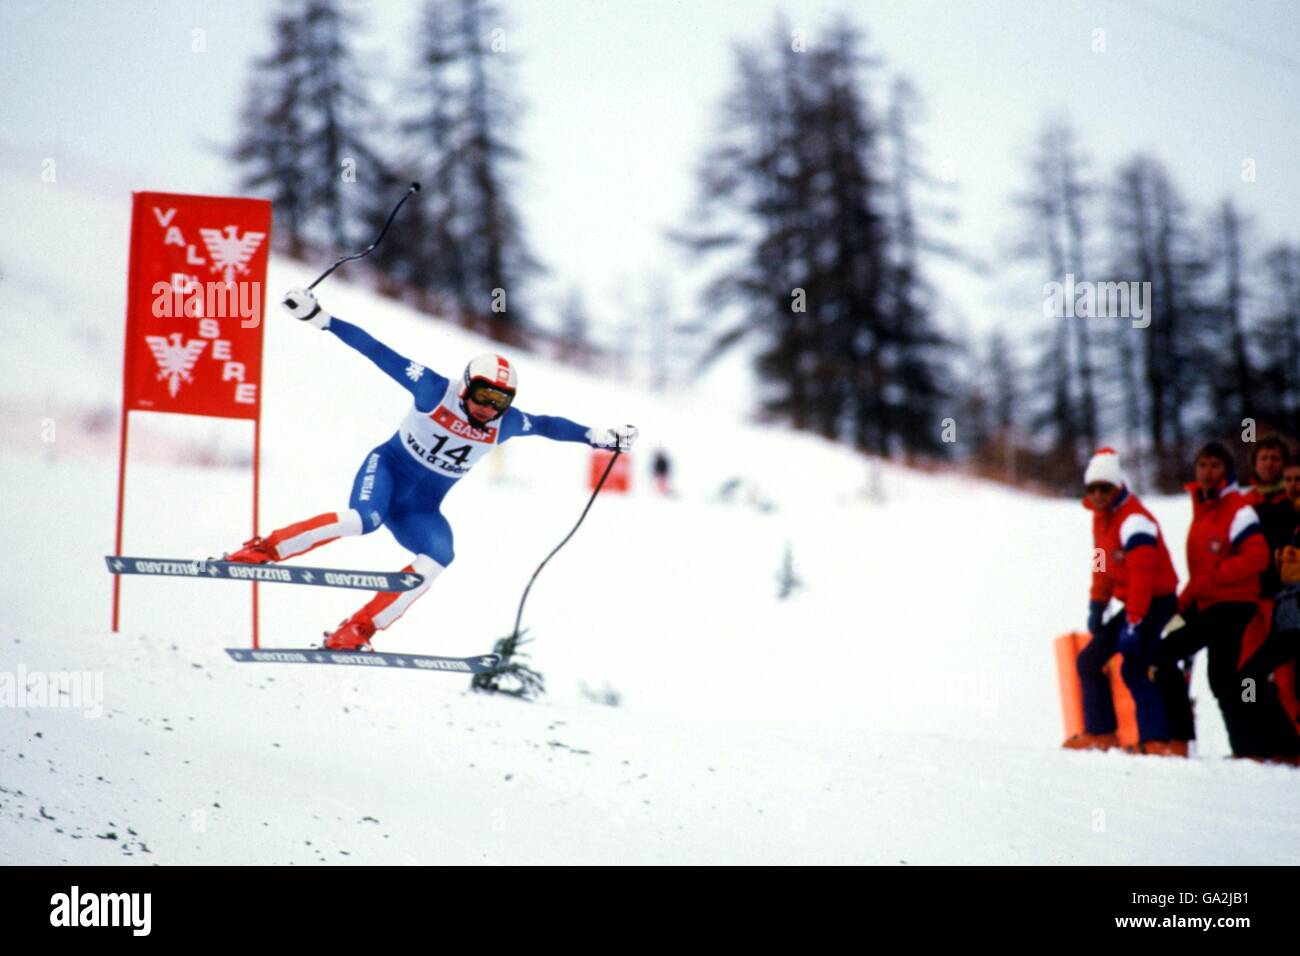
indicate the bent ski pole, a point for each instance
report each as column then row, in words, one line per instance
column 413, row 188
column 600, row 484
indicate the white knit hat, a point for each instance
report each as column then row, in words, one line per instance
column 1104, row 466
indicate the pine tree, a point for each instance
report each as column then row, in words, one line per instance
column 1055, row 209
column 432, row 253
column 269, row 147
column 575, row 330
column 1003, row 389
column 1076, row 195
column 1233, row 389
column 1162, row 367
column 1277, row 337
column 303, row 138
column 1053, row 373
column 822, row 269
column 919, row 350
column 499, row 260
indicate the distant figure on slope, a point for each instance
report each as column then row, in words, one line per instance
column 1226, row 554
column 1132, row 565
column 450, row 427
column 663, row 470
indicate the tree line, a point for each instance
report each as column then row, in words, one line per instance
column 314, row 140
column 809, row 209
column 817, row 223
column 1216, row 354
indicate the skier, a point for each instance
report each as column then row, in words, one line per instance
column 449, row 428
column 1131, row 564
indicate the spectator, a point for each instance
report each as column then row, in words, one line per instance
column 1291, row 484
column 1277, row 656
column 1226, row 552
column 1287, row 605
column 1132, row 565
column 1268, row 458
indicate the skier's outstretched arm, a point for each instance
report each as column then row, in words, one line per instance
column 426, row 386
column 517, row 423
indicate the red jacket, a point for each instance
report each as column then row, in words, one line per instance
column 1135, row 564
column 1226, row 550
column 1277, row 519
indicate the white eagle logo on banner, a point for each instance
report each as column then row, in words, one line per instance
column 230, row 253
column 175, row 361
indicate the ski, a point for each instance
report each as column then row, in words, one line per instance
column 270, row 573
column 481, row 664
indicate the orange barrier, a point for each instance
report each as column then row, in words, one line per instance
column 1067, row 678
column 1067, row 648
column 620, row 478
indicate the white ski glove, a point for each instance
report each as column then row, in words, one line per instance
column 614, row 436
column 302, row 305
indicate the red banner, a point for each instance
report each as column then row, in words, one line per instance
column 195, row 297
column 195, row 301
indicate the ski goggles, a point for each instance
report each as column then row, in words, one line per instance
column 481, row 393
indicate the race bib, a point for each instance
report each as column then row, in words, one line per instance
column 443, row 440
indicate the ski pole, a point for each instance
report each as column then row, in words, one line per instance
column 413, row 188
column 600, row 484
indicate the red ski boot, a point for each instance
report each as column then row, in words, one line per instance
column 353, row 634
column 255, row 551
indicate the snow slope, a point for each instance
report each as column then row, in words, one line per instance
column 901, row 707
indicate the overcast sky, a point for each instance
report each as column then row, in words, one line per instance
column 622, row 93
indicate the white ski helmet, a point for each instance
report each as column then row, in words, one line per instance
column 490, row 380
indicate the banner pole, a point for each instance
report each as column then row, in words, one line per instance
column 128, row 358
column 257, row 470
column 121, row 497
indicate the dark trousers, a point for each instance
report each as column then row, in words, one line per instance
column 1254, row 726
column 1280, row 648
column 1139, row 652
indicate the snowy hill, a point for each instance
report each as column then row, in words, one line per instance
column 901, row 707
